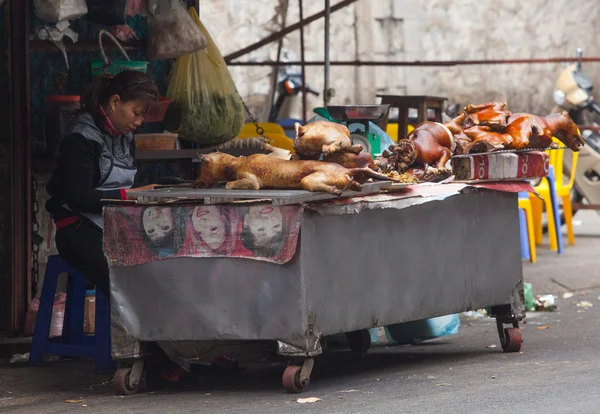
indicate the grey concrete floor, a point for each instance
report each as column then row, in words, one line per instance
column 557, row 370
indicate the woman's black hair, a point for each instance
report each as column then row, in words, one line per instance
column 129, row 85
column 172, row 242
column 272, row 248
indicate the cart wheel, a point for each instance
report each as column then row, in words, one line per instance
column 121, row 383
column 512, row 340
column 359, row 341
column 291, row 380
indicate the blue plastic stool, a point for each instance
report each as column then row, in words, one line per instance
column 555, row 208
column 73, row 343
column 524, row 236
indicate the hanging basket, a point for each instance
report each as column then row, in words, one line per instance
column 107, row 67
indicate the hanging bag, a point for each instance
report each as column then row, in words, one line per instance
column 107, row 67
column 55, row 11
column 208, row 107
column 172, row 32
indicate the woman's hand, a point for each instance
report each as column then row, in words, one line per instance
column 131, row 193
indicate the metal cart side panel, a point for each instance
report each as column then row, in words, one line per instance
column 387, row 266
column 350, row 272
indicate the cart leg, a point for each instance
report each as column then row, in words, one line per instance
column 126, row 380
column 359, row 341
column 510, row 338
column 296, row 379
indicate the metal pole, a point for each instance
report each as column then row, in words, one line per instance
column 421, row 63
column 278, row 35
column 326, row 96
column 302, row 61
column 275, row 73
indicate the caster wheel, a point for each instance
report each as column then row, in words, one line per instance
column 291, row 380
column 121, row 382
column 512, row 340
column 359, row 341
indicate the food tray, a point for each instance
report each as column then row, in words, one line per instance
column 509, row 152
column 221, row 195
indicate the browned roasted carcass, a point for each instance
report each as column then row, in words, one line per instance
column 458, row 131
column 483, row 139
column 528, row 131
column 531, row 131
column 351, row 160
column 494, row 106
column 267, row 171
column 323, row 137
column 565, row 130
column 429, row 144
column 489, row 127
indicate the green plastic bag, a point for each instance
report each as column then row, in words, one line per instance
column 210, row 110
column 528, row 290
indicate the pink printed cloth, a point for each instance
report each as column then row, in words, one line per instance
column 135, row 235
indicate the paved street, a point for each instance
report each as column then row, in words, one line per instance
column 557, row 370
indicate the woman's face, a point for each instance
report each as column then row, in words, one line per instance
column 264, row 222
column 127, row 116
column 209, row 224
column 157, row 222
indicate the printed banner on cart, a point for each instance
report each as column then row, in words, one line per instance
column 136, row 235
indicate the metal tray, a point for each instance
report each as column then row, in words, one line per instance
column 509, row 152
column 222, row 195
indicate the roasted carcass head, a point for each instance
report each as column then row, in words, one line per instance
column 563, row 128
column 351, row 160
column 266, row 171
column 429, row 144
column 323, row 137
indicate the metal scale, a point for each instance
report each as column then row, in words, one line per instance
column 357, row 119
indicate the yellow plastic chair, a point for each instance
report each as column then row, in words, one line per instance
column 274, row 132
column 392, row 131
column 563, row 191
column 249, row 129
column 525, row 205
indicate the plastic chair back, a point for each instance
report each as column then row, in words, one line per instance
column 557, row 161
column 392, row 131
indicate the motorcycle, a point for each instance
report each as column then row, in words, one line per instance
column 289, row 85
column 573, row 93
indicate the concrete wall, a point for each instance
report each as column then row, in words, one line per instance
column 424, row 30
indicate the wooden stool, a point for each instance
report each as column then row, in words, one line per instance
column 404, row 103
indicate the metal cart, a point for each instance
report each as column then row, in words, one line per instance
column 361, row 264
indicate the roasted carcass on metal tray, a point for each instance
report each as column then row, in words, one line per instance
column 491, row 127
column 277, row 171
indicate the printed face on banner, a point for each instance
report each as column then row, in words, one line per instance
column 209, row 223
column 157, row 222
column 140, row 234
column 263, row 231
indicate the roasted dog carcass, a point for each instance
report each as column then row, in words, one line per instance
column 489, row 127
column 323, row 137
column 269, row 171
column 429, row 144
